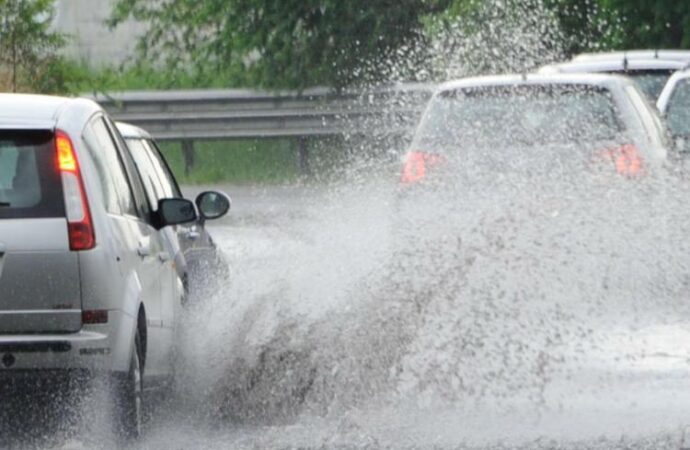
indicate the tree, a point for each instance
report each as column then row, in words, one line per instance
column 282, row 44
column 586, row 25
column 649, row 23
column 27, row 45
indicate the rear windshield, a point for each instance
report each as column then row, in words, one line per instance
column 651, row 82
column 521, row 115
column 30, row 185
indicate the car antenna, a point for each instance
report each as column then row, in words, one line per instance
column 656, row 53
column 625, row 62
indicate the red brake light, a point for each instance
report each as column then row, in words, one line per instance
column 626, row 159
column 415, row 166
column 79, row 224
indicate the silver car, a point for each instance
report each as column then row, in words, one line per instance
column 510, row 114
column 674, row 105
column 88, row 283
column 200, row 265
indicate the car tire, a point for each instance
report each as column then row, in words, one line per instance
column 128, row 396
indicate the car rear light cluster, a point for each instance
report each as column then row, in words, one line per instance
column 416, row 164
column 626, row 159
column 79, row 224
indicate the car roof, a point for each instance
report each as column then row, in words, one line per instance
column 676, row 55
column 537, row 79
column 39, row 111
column 129, row 131
column 614, row 65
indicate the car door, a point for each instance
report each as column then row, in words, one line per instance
column 155, row 191
column 138, row 239
column 162, row 252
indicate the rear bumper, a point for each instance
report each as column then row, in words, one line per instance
column 96, row 348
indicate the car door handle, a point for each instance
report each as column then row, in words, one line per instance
column 193, row 235
column 143, row 250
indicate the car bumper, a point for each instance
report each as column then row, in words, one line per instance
column 95, row 348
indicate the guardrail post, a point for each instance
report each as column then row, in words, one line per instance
column 304, row 155
column 188, row 155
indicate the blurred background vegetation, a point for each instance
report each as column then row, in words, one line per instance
column 295, row 44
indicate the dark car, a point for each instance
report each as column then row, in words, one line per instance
column 198, row 260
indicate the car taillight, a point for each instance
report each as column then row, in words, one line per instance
column 626, row 159
column 415, row 166
column 79, row 224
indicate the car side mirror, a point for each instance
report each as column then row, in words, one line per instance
column 173, row 211
column 213, row 205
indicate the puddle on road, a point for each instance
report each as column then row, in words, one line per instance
column 494, row 313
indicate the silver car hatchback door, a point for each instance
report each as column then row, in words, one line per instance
column 39, row 275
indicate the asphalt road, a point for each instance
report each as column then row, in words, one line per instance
column 308, row 346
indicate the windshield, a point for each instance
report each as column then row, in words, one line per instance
column 527, row 115
column 651, row 82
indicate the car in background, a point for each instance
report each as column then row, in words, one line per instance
column 493, row 122
column 88, row 285
column 650, row 74
column 665, row 54
column 674, row 105
column 198, row 261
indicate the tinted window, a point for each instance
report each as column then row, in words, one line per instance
column 30, row 184
column 117, row 196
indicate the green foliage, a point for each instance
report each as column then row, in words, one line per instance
column 27, row 45
column 140, row 77
column 237, row 161
column 282, row 44
column 650, row 23
column 585, row 24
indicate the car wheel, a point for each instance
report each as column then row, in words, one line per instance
column 129, row 396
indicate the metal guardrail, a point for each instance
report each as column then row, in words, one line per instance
column 230, row 114
column 193, row 115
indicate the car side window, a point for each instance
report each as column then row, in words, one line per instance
column 163, row 170
column 117, row 196
column 152, row 185
column 137, row 186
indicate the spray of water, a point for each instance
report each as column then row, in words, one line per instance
column 490, row 294
column 489, row 307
